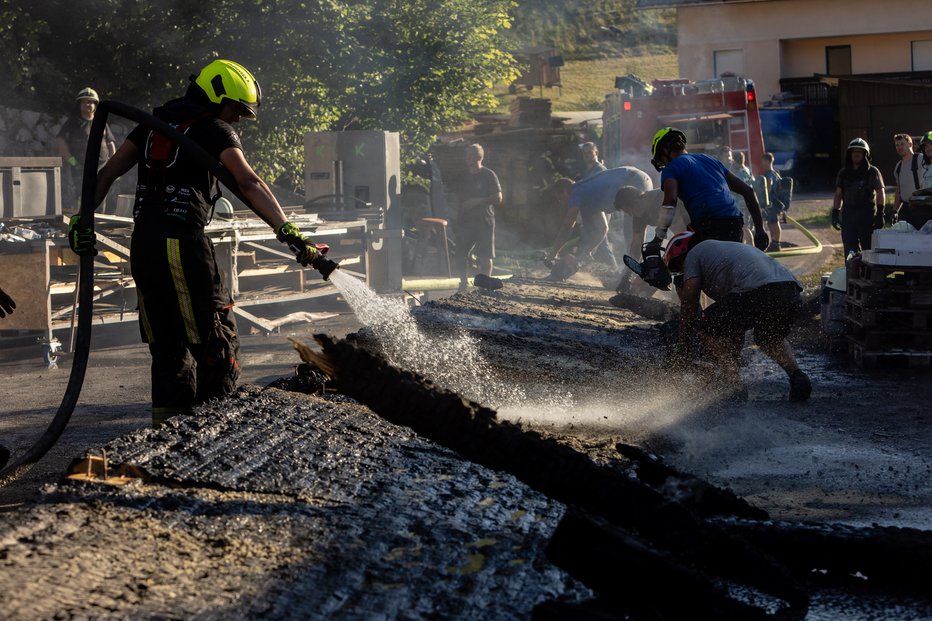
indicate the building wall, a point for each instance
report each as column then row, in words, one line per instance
column 787, row 38
column 869, row 53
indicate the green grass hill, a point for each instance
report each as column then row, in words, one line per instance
column 599, row 40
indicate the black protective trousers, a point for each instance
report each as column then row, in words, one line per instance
column 185, row 316
column 857, row 227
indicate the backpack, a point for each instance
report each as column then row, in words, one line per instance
column 915, row 170
column 783, row 192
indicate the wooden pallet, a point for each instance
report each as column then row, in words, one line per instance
column 888, row 319
column 870, row 295
column 883, row 340
column 868, row 358
column 894, row 274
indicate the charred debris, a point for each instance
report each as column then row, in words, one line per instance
column 638, row 522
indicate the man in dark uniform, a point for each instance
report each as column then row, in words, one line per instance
column 857, row 208
column 479, row 194
column 72, row 141
column 185, row 312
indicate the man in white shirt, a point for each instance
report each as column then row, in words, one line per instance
column 907, row 174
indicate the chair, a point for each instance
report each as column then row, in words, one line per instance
column 432, row 240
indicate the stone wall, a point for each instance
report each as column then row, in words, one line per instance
column 26, row 133
column 32, row 134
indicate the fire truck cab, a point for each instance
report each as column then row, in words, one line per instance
column 712, row 114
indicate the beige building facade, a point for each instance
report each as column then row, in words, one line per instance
column 767, row 40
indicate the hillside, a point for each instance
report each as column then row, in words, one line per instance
column 594, row 28
column 599, row 40
column 585, row 82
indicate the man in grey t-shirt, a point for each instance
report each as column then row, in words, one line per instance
column 751, row 290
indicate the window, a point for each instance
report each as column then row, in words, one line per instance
column 922, row 55
column 728, row 61
column 838, row 60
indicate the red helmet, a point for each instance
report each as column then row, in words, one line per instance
column 677, row 247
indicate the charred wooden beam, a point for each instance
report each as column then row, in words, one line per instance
column 634, row 578
column 889, row 556
column 706, row 499
column 545, row 464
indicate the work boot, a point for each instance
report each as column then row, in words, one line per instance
column 800, row 386
column 487, row 282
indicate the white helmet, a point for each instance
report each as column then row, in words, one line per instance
column 860, row 143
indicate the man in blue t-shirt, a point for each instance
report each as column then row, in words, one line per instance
column 704, row 185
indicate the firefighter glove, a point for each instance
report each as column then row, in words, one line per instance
column 72, row 161
column 761, row 240
column 6, row 304
column 836, row 219
column 305, row 252
column 81, row 238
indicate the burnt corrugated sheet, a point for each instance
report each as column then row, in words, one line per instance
column 276, row 505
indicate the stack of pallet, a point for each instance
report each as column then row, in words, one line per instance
column 529, row 112
column 888, row 305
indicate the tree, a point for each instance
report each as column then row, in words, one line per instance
column 413, row 66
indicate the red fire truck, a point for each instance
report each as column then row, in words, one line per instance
column 712, row 114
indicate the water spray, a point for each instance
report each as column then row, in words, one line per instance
column 451, row 360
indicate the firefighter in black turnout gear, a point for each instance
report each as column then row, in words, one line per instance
column 857, row 208
column 185, row 311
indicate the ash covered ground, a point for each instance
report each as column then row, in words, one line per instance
column 859, row 452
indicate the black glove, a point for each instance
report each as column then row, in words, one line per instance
column 878, row 219
column 836, row 219
column 653, row 248
column 761, row 241
column 6, row 304
column 81, row 239
column 889, row 217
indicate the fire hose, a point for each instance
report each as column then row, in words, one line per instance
column 815, row 248
column 82, row 344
